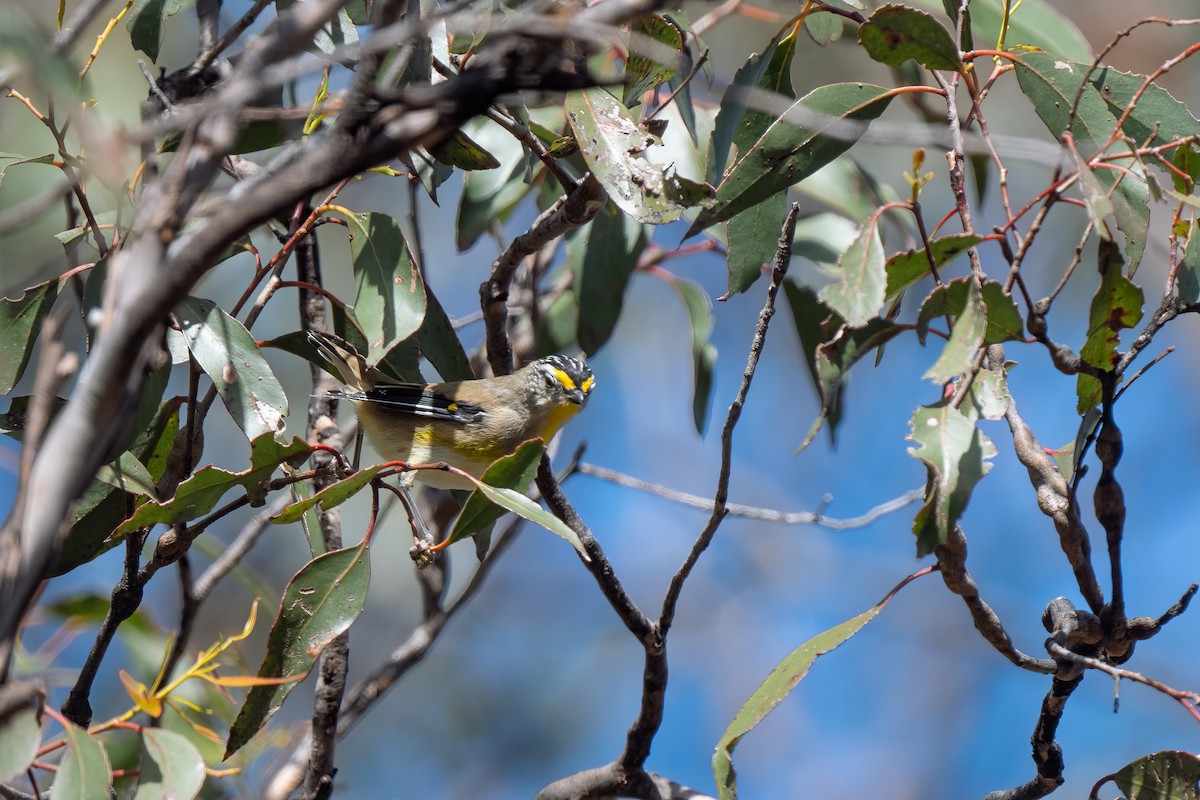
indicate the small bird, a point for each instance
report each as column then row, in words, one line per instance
column 467, row 424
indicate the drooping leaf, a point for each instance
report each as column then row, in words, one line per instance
column 859, row 296
column 777, row 686
column 320, row 602
column 612, row 145
column 440, row 344
column 830, row 349
column 84, row 772
column 643, row 72
column 905, row 269
column 172, row 766
column 1188, row 279
column 895, row 33
column 1051, row 85
column 147, row 24
column 489, row 197
column 602, row 258
column 1169, row 775
column 389, row 300
column 20, row 323
column 753, row 237
column 1116, row 305
column 812, row 132
column 754, row 233
column 704, row 352
column 200, row 493
column 514, row 472
column 956, row 455
column 1068, row 457
column 230, row 357
column 987, row 397
column 970, row 325
column 20, row 737
column 768, row 72
column 824, row 27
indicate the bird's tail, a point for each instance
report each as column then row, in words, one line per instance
column 350, row 364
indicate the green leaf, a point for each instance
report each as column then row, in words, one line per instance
column 860, row 294
column 147, row 24
column 230, row 357
column 331, row 496
column 1157, row 118
column 102, row 508
column 814, row 131
column 896, row 33
column 1068, row 457
column 200, row 493
column 513, row 471
column 753, row 238
column 966, row 336
column 489, row 197
column 951, row 298
column 1116, row 305
column 738, row 126
column 612, row 145
column 20, row 323
column 84, row 772
column 775, row 689
column 642, row 71
column 1169, row 775
column 825, row 28
column 463, row 152
column 320, row 602
column 389, row 301
column 1052, row 84
column 602, row 258
column 830, row 350
column 956, row 454
column 173, row 767
column 440, row 344
column 1036, row 23
column 20, row 737
column 1188, row 279
column 704, row 352
column 987, row 397
column 129, row 474
column 13, row 159
column 907, row 268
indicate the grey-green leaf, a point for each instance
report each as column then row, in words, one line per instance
column 812, row 132
column 859, row 296
column 230, row 357
column 389, row 300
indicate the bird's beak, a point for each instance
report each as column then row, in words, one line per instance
column 576, row 396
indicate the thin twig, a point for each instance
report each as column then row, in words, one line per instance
column 754, row 512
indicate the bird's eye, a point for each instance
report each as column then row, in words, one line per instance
column 550, row 380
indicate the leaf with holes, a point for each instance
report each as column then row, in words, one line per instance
column 320, row 602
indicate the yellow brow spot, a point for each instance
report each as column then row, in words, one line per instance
column 565, row 380
column 588, row 383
